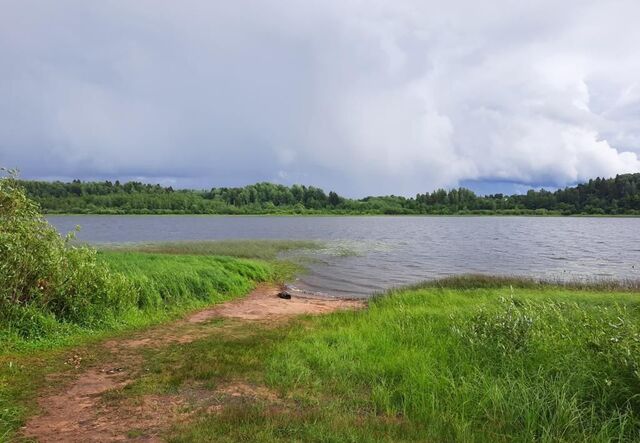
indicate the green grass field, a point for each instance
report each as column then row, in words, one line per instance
column 444, row 363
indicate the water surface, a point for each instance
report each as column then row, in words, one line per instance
column 365, row 255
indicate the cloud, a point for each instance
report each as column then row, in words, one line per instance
column 361, row 97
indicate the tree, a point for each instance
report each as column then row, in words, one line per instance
column 334, row 199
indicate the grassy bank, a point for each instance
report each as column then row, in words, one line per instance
column 160, row 287
column 451, row 361
column 154, row 287
column 53, row 291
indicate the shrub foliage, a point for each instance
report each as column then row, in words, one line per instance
column 44, row 279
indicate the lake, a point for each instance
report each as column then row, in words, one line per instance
column 365, row 255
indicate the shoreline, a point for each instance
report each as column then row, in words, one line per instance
column 48, row 214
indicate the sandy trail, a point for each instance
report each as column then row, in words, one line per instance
column 74, row 412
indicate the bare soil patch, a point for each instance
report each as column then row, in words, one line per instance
column 264, row 304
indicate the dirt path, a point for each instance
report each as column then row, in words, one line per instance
column 74, row 411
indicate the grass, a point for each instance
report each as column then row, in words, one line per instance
column 162, row 281
column 165, row 281
column 482, row 281
column 445, row 362
column 164, row 287
column 259, row 249
column 160, row 287
column 470, row 358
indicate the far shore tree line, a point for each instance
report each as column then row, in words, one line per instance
column 612, row 196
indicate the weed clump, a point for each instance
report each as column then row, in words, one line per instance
column 506, row 330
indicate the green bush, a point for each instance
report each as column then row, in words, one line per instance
column 43, row 279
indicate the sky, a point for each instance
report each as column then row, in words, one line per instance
column 361, row 97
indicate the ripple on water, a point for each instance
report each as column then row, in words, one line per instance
column 364, row 255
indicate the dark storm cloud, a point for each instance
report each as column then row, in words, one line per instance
column 362, row 97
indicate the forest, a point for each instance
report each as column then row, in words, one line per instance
column 599, row 196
